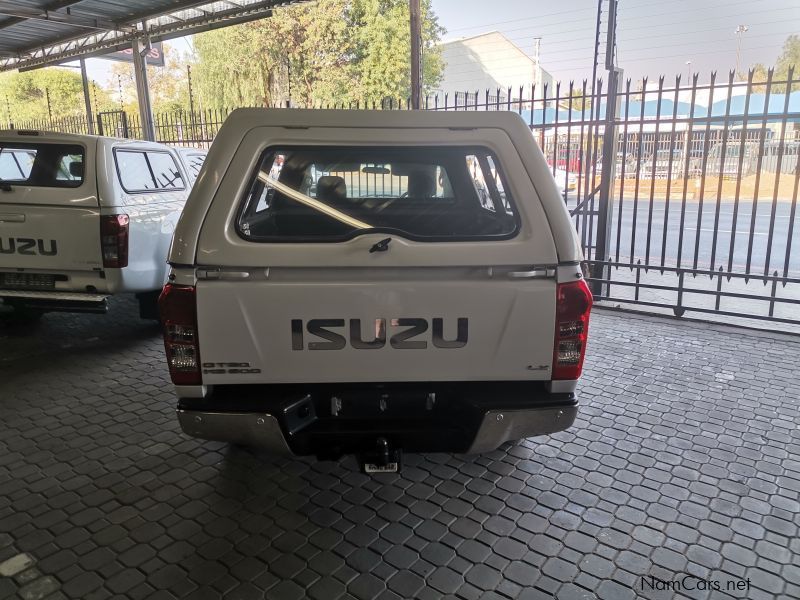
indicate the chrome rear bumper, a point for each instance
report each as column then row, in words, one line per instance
column 248, row 429
column 500, row 426
column 53, row 295
column 264, row 431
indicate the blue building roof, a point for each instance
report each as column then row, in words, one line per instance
column 758, row 108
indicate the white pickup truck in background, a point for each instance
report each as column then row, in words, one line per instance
column 372, row 282
column 85, row 217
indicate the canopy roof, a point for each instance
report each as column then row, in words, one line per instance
column 35, row 33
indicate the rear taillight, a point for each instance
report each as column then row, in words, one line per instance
column 114, row 240
column 573, row 303
column 178, row 312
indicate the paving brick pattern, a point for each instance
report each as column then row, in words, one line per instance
column 685, row 460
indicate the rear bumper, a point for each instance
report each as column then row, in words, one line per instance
column 500, row 426
column 329, row 422
column 249, row 429
column 55, row 300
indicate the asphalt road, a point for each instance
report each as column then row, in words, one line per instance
column 643, row 218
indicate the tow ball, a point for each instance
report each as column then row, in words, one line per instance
column 383, row 459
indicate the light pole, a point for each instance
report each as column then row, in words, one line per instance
column 739, row 31
column 689, row 70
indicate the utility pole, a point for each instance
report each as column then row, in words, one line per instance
column 739, row 32
column 192, row 123
column 191, row 91
column 288, row 82
column 586, row 159
column 49, row 108
column 537, row 66
column 416, row 45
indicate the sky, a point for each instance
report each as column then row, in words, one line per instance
column 654, row 37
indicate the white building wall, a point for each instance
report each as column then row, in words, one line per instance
column 490, row 61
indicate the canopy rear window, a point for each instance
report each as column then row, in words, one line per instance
column 42, row 165
column 333, row 194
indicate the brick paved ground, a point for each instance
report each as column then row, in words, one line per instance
column 685, row 459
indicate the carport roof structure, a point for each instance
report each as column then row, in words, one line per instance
column 35, row 33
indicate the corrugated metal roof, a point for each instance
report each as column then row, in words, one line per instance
column 35, row 33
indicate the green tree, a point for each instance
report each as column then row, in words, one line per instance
column 169, row 90
column 333, row 52
column 579, row 100
column 24, row 96
column 384, row 46
column 789, row 58
column 235, row 67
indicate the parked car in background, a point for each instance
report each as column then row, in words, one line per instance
column 663, row 164
column 192, row 159
column 621, row 160
column 566, row 182
column 85, row 217
column 369, row 283
column 780, row 156
column 729, row 160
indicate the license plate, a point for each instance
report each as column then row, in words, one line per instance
column 391, row 467
column 34, row 281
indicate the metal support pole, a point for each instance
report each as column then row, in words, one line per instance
column 140, row 49
column 416, row 45
column 86, row 100
column 605, row 209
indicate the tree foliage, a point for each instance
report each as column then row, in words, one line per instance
column 580, row 100
column 789, row 58
column 169, row 90
column 338, row 51
column 24, row 96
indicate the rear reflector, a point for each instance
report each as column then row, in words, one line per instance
column 573, row 304
column 178, row 312
column 114, row 240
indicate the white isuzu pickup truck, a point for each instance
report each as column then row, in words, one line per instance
column 368, row 283
column 85, row 217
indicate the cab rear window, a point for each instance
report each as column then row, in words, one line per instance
column 421, row 193
column 148, row 170
column 42, row 165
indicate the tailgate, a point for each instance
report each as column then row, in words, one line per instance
column 49, row 210
column 52, row 238
column 427, row 258
column 444, row 326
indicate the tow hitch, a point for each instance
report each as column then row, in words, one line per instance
column 383, row 459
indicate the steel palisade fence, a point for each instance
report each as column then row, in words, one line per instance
column 702, row 205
